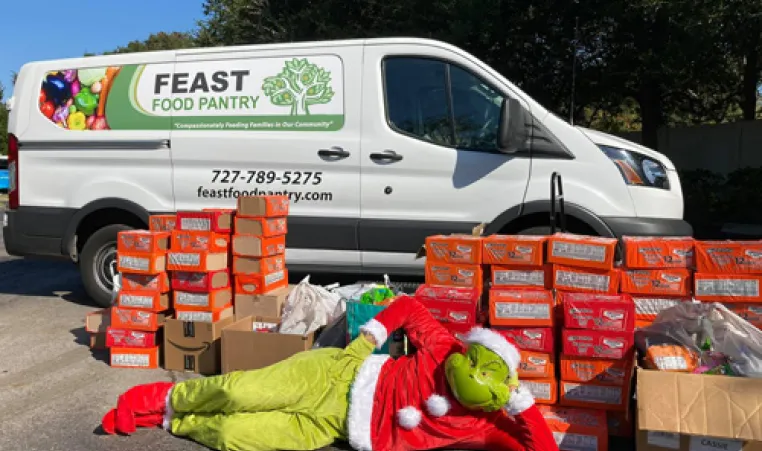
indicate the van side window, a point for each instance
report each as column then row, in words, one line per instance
column 441, row 103
column 3, row 164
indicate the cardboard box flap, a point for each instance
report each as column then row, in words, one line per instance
column 696, row 404
column 477, row 230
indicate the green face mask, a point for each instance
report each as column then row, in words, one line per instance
column 479, row 379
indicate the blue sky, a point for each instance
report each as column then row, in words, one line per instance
column 47, row 29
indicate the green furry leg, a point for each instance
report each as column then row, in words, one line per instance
column 262, row 431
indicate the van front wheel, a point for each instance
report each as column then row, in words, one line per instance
column 97, row 263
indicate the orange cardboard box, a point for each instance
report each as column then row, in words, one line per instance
column 142, row 241
column 194, row 241
column 258, row 265
column 158, row 283
column 207, row 316
column 454, row 275
column 199, row 261
column 521, row 308
column 523, row 276
column 665, row 282
column 545, row 391
column 143, row 300
column 537, row 365
column 599, row 371
column 259, row 283
column 577, row 429
column 144, row 358
column 729, row 257
column 162, row 223
column 141, row 263
column 263, row 206
column 213, row 300
column 260, row 226
column 257, row 246
column 454, row 249
column 750, row 312
column 642, row 252
column 123, row 318
column 206, row 220
column 727, row 287
column 514, row 250
column 582, row 251
column 647, row 308
column 594, row 396
column 585, row 280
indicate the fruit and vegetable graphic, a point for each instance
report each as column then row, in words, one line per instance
column 75, row 99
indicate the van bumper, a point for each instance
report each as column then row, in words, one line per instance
column 634, row 226
column 34, row 232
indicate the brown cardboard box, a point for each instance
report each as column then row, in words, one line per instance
column 98, row 341
column 193, row 346
column 269, row 304
column 245, row 349
column 98, row 321
column 697, row 412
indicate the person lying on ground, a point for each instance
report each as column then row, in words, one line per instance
column 448, row 394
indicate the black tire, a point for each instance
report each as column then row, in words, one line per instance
column 97, row 257
column 536, row 230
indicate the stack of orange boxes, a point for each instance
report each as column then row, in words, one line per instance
column 598, row 350
column 521, row 307
column 454, row 281
column 731, row 272
column 198, row 259
column 583, row 263
column 143, row 300
column 259, row 245
column 657, row 273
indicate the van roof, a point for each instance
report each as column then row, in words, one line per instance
column 101, row 59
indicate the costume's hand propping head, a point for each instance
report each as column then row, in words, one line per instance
column 485, row 377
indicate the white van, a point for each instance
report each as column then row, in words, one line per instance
column 379, row 143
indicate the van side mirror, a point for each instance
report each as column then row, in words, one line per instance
column 512, row 134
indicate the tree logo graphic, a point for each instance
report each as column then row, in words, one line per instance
column 299, row 85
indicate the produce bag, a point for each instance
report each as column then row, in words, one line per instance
column 309, row 307
column 701, row 338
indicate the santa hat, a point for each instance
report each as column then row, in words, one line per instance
column 495, row 343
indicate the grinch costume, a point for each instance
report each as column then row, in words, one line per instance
column 448, row 394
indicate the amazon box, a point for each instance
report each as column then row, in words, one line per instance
column 698, row 412
column 247, row 344
column 193, row 346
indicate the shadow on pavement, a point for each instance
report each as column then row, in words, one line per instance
column 43, row 278
column 81, row 337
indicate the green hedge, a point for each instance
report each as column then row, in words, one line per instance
column 712, row 200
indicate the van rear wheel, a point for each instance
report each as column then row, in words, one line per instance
column 97, row 263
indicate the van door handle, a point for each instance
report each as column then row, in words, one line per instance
column 387, row 155
column 333, row 152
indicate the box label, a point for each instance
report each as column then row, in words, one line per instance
column 274, row 277
column 540, row 390
column 727, row 287
column 535, row 278
column 194, row 299
column 136, row 263
column 575, row 442
column 136, row 360
column 714, row 444
column 579, row 251
column 512, row 310
column 202, row 224
column 593, row 393
column 132, row 300
column 671, row 363
column 184, row 259
column 664, row 439
column 651, row 306
column 204, row 317
column 597, row 282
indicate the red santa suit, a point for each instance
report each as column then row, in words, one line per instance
column 406, row 404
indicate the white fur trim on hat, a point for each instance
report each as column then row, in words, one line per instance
column 495, row 343
column 437, row 405
column 409, row 417
column 520, row 401
column 169, row 412
column 378, row 330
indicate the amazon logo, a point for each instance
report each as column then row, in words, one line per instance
column 205, row 346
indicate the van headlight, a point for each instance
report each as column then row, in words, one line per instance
column 637, row 169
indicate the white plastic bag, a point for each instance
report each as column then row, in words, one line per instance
column 308, row 308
